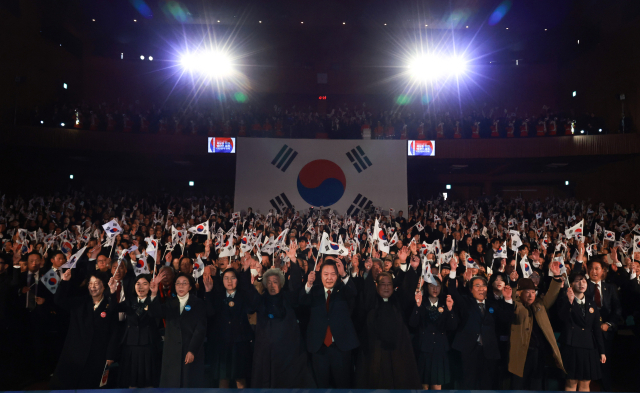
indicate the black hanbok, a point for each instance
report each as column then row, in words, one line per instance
column 184, row 332
column 386, row 359
column 280, row 357
column 91, row 341
column 229, row 337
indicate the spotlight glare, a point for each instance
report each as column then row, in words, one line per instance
column 566, row 183
column 61, row 124
column 448, row 187
column 582, row 131
column 150, row 58
column 141, row 57
column 191, row 184
column 71, row 177
column 600, row 130
column 41, row 121
column 213, row 64
column 429, row 67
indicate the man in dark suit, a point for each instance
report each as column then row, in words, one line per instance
column 605, row 295
column 330, row 335
column 488, row 256
column 477, row 339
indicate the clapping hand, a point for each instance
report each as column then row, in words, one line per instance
column 449, row 302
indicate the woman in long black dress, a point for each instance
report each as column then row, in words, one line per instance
column 91, row 341
column 280, row 358
column 434, row 318
column 581, row 338
column 229, row 339
column 186, row 328
column 386, row 360
column 139, row 363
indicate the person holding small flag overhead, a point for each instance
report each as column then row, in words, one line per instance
column 139, row 362
column 433, row 318
column 91, row 343
column 331, row 335
column 185, row 331
column 230, row 336
column 581, row 338
column 477, row 338
column 532, row 338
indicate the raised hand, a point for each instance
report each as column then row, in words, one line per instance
column 513, row 276
column 555, row 268
column 95, row 251
column 415, row 262
column 113, row 285
column 292, row 253
column 153, row 285
column 449, row 302
column 418, row 298
column 454, row 263
column 66, row 276
column 208, row 282
column 413, row 247
column 570, row 295
column 507, row 292
column 368, row 264
column 403, row 253
column 311, row 278
column 340, row 267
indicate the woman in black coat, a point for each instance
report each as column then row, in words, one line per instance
column 91, row 341
column 186, row 328
column 386, row 360
column 581, row 338
column 229, row 339
column 139, row 363
column 280, row 357
column 434, row 318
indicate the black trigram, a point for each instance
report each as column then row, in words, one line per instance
column 281, row 202
column 360, row 203
column 284, row 158
column 359, row 160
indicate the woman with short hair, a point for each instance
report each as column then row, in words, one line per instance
column 91, row 341
column 186, row 327
column 229, row 339
column 280, row 358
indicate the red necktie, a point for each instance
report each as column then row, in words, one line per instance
column 598, row 299
column 328, row 338
column 119, row 291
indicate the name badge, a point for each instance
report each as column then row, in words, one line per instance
column 440, row 309
column 187, row 308
column 590, row 310
column 270, row 316
column 490, row 310
column 103, row 314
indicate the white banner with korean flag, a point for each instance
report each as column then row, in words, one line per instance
column 348, row 176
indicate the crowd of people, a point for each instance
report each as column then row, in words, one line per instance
column 340, row 122
column 131, row 290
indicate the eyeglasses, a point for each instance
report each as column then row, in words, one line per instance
column 182, row 284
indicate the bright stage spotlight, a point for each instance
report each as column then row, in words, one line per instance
column 430, row 67
column 213, row 64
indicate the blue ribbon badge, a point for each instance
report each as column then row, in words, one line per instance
column 188, row 308
column 490, row 310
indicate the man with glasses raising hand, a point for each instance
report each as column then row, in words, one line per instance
column 477, row 339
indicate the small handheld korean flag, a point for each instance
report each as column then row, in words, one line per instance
column 112, row 228
column 516, row 242
column 228, row 249
column 200, row 229
column 198, row 268
column 51, row 280
column 501, row 252
column 428, row 276
column 575, row 231
column 245, row 243
column 419, row 226
column 471, row 263
column 394, row 239
column 381, row 237
column 282, row 237
column 71, row 263
column 526, row 268
column 636, row 243
column 330, row 248
column 609, row 235
column 141, row 266
column 152, row 248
